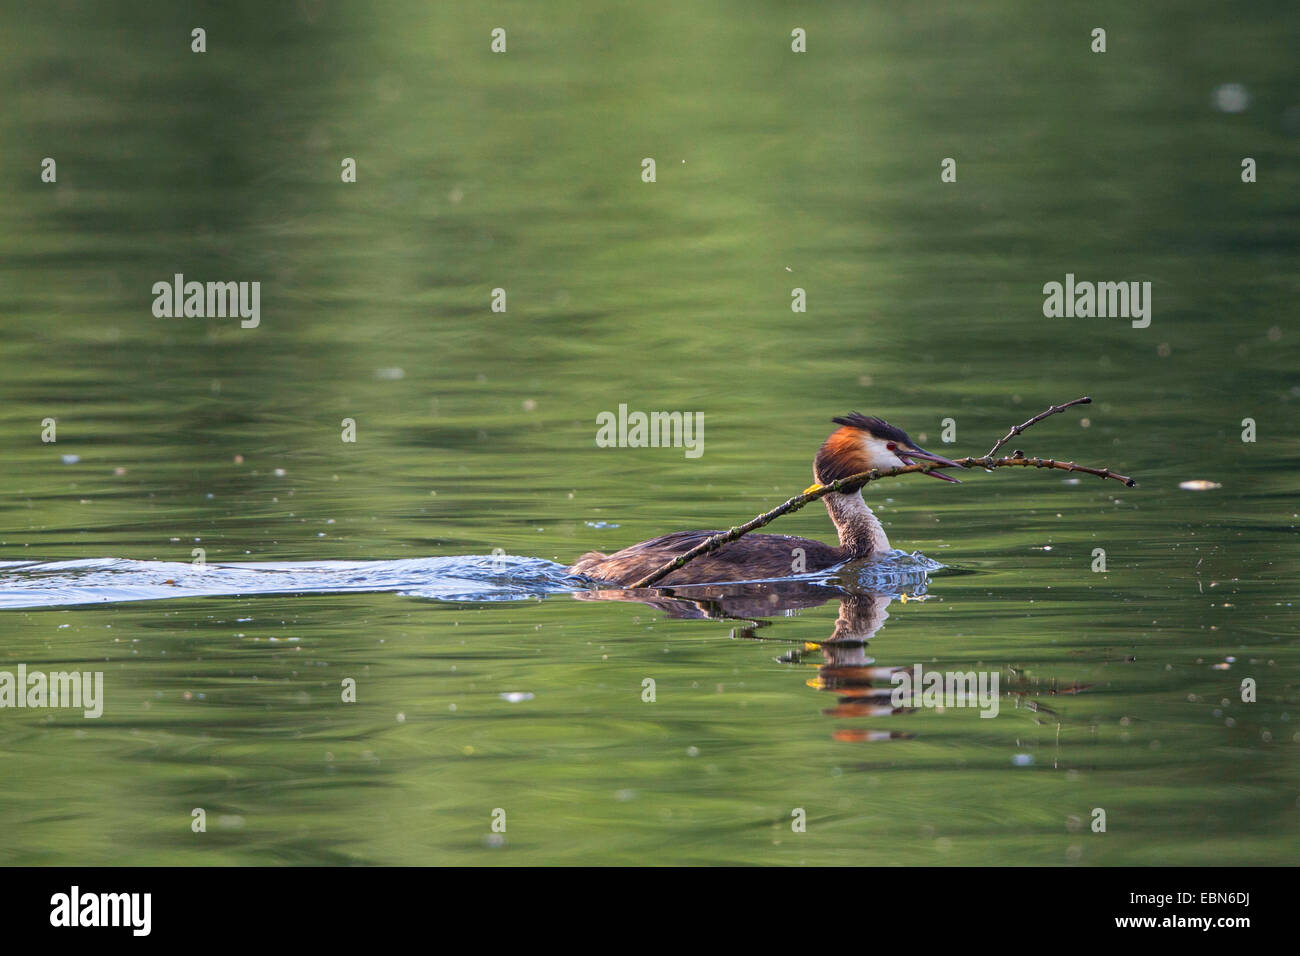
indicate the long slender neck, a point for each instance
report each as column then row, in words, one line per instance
column 859, row 529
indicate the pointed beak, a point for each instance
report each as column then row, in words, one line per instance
column 914, row 452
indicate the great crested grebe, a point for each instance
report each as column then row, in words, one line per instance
column 859, row 444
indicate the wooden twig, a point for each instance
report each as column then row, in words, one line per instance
column 1055, row 409
column 852, row 483
column 1023, row 461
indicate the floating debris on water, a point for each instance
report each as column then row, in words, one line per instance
column 1199, row 484
column 516, row 696
column 1231, row 98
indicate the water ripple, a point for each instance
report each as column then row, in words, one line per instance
column 102, row 580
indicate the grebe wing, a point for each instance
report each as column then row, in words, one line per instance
column 749, row 550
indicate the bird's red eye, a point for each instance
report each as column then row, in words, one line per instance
column 892, row 447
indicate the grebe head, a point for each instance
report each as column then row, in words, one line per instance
column 862, row 443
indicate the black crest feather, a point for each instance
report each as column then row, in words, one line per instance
column 875, row 426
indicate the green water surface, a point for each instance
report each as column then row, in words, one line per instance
column 475, row 429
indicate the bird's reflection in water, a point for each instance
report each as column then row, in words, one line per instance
column 862, row 688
